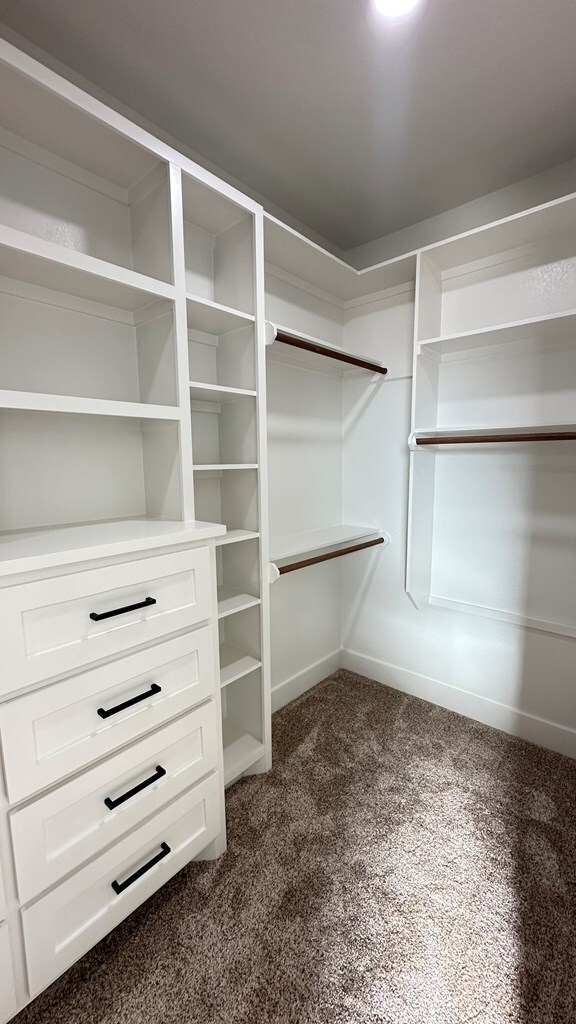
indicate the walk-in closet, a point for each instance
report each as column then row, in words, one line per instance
column 287, row 512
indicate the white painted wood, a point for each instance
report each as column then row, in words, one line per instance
column 231, row 601
column 292, row 252
column 234, row 664
column 542, row 330
column 70, row 825
column 48, row 626
column 224, row 361
column 47, row 549
column 307, row 544
column 214, row 318
column 213, row 393
column 241, row 750
column 54, row 731
column 8, row 1005
column 236, row 536
column 48, row 265
column 36, row 402
column 65, row 923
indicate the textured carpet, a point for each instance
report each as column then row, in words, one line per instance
column 400, row 865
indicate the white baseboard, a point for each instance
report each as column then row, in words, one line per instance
column 298, row 684
column 471, row 705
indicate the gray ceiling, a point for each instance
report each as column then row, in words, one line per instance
column 355, row 126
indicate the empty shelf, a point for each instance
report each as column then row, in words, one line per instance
column 213, row 318
column 231, row 601
column 44, row 549
column 36, row 402
column 237, row 536
column 200, row 392
column 219, row 467
column 234, row 664
column 38, row 262
column 314, row 542
column 542, row 330
column 241, row 750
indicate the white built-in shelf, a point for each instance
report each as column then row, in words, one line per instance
column 43, row 549
column 217, row 467
column 543, row 329
column 35, row 402
column 296, row 546
column 214, row 318
column 236, row 537
column 231, row 601
column 506, row 431
column 45, row 264
column 200, row 392
column 319, row 356
column 296, row 255
column 518, row 232
column 234, row 664
column 241, row 750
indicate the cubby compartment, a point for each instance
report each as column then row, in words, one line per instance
column 61, row 468
column 242, row 725
column 57, row 344
column 238, row 575
column 218, row 243
column 228, row 496
column 498, row 538
column 222, row 363
column 224, row 433
column 517, row 270
column 73, row 181
column 240, row 645
column 529, row 381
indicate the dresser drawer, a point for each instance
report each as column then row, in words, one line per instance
column 62, row 925
column 61, row 728
column 7, row 992
column 58, row 832
column 55, row 626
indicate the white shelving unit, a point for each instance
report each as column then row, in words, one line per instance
column 226, row 391
column 495, row 361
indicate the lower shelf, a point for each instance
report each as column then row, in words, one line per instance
column 231, row 601
column 241, row 750
column 234, row 664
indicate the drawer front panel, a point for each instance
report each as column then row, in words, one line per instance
column 64, row 727
column 58, row 832
column 55, row 626
column 62, row 925
column 7, row 992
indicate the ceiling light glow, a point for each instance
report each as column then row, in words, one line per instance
column 395, row 8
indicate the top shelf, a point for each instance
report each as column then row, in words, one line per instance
column 520, row 231
column 313, row 352
column 295, row 254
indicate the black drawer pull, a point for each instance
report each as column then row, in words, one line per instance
column 121, row 886
column 129, row 703
column 98, row 616
column 159, row 773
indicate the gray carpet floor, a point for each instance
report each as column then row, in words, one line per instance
column 399, row 865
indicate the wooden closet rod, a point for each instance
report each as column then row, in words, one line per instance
column 330, row 554
column 330, row 353
column 566, row 435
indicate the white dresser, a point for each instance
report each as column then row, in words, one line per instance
column 111, row 737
